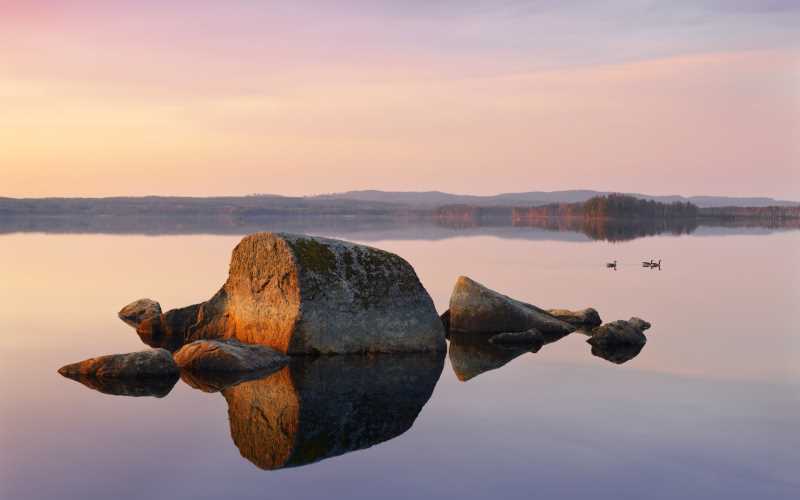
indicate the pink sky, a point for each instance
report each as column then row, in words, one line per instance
column 208, row 98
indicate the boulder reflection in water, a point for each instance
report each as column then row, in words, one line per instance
column 322, row 407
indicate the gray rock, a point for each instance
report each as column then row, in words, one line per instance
column 141, row 365
column 584, row 317
column 477, row 309
column 301, row 294
column 139, row 310
column 532, row 338
column 639, row 324
column 617, row 333
column 228, row 356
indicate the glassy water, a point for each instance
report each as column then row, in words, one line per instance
column 708, row 409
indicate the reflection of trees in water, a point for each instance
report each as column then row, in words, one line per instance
column 612, row 229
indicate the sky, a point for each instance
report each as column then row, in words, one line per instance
column 205, row 98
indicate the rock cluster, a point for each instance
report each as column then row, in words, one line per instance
column 308, row 295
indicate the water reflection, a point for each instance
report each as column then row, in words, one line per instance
column 370, row 228
column 317, row 408
column 156, row 387
column 471, row 355
column 619, row 353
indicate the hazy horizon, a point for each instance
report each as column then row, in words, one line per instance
column 199, row 98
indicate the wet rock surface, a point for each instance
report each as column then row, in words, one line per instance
column 321, row 407
column 228, row 356
column 617, row 353
column 155, row 387
column 475, row 308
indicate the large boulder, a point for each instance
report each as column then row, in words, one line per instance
column 228, row 356
column 619, row 333
column 475, row 308
column 301, row 294
column 582, row 318
column 138, row 311
column 135, row 365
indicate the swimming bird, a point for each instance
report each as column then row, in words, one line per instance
column 647, row 263
column 654, row 264
column 612, row 265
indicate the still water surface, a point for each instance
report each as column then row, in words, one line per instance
column 708, row 409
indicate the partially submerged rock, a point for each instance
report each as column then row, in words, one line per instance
column 532, row 338
column 139, row 310
column 228, row 356
column 301, row 294
column 618, row 333
column 475, row 308
column 581, row 318
column 322, row 407
column 155, row 363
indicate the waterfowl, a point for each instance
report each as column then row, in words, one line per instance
column 612, row 265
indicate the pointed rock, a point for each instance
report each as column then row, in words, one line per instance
column 141, row 365
column 475, row 308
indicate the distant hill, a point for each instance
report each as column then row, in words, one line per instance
column 431, row 199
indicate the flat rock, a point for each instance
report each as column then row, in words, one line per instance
column 617, row 333
column 154, row 363
column 581, row 318
column 475, row 308
column 305, row 295
column 139, row 310
column 228, row 356
column 532, row 338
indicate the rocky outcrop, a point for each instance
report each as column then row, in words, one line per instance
column 532, row 338
column 619, row 333
column 228, row 356
column 301, row 294
column 322, row 407
column 138, row 311
column 582, row 318
column 141, row 365
column 475, row 308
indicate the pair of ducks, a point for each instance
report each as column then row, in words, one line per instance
column 651, row 264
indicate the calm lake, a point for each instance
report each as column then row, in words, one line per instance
column 708, row 409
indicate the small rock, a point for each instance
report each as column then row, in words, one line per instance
column 617, row 353
column 475, row 308
column 639, row 324
column 617, row 333
column 153, row 363
column 583, row 317
column 532, row 338
column 139, row 310
column 228, row 356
